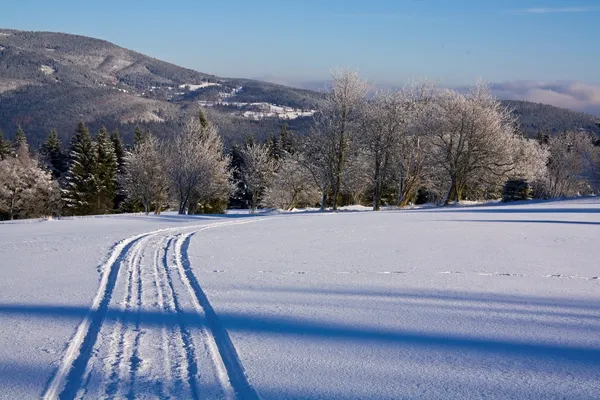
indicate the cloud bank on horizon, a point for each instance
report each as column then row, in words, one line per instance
column 573, row 95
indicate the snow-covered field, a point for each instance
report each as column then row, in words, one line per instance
column 497, row 301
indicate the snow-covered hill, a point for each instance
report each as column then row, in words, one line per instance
column 497, row 301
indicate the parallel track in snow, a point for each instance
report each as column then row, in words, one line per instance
column 151, row 331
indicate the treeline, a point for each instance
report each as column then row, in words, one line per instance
column 414, row 145
column 100, row 175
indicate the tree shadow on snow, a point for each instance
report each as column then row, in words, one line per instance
column 529, row 221
column 556, row 357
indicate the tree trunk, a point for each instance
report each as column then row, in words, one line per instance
column 12, row 207
column 459, row 192
column 451, row 193
column 377, row 188
column 323, row 198
column 340, row 163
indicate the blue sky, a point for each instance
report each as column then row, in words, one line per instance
column 453, row 42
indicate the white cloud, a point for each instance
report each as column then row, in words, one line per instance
column 550, row 10
column 573, row 95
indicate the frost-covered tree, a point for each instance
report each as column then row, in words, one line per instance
column 81, row 191
column 340, row 121
column 382, row 122
column 145, row 179
column 531, row 160
column 394, row 140
column 318, row 148
column 291, row 186
column 26, row 190
column 569, row 168
column 473, row 139
column 198, row 169
column 257, row 171
column 106, row 172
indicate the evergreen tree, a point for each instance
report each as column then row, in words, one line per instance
column 53, row 155
column 240, row 197
column 119, row 147
column 273, row 146
column 138, row 136
column 21, row 145
column 204, row 123
column 286, row 143
column 106, row 172
column 249, row 141
column 5, row 146
column 82, row 186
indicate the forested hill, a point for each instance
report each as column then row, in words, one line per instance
column 53, row 80
column 549, row 119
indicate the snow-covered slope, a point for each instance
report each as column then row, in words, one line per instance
column 497, row 301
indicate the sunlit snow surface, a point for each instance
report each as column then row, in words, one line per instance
column 498, row 301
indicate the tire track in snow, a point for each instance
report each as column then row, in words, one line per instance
column 230, row 370
column 73, row 372
column 162, row 390
column 188, row 345
column 114, row 362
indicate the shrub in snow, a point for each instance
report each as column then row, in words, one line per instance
column 516, row 189
column 26, row 190
column 292, row 186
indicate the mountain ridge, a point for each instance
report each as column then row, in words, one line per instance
column 51, row 80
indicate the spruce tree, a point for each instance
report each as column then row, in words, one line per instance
column 106, row 172
column 21, row 145
column 117, row 141
column 82, row 186
column 273, row 146
column 119, row 147
column 204, row 123
column 53, row 155
column 138, row 136
column 5, row 147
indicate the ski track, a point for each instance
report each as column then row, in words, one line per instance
column 188, row 354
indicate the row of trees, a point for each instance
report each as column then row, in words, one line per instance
column 419, row 143
column 99, row 175
column 416, row 144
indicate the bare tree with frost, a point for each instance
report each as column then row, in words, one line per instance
column 197, row 167
column 472, row 138
column 26, row 190
column 292, row 185
column 340, row 120
column 258, row 169
column 571, row 164
column 145, row 178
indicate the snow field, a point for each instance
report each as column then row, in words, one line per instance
column 497, row 301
